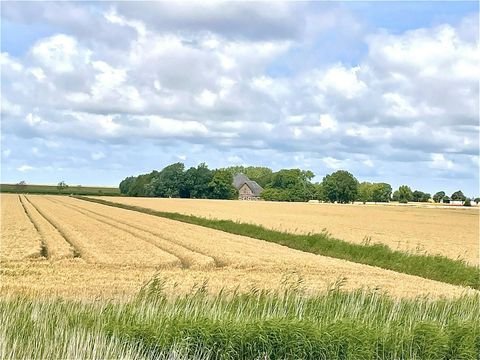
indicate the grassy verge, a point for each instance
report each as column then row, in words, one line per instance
column 258, row 325
column 436, row 267
column 53, row 190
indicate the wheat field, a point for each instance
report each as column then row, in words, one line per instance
column 452, row 232
column 53, row 245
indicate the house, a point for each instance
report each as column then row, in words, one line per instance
column 247, row 189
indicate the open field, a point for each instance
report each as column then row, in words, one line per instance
column 86, row 280
column 110, row 252
column 52, row 189
column 452, row 232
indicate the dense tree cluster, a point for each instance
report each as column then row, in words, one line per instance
column 174, row 181
column 284, row 185
column 374, row 192
column 456, row 196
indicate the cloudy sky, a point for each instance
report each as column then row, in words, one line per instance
column 95, row 92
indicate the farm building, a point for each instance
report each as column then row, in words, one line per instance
column 247, row 189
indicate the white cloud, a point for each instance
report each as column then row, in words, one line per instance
column 328, row 122
column 107, row 79
column 58, row 53
column 438, row 161
column 399, row 106
column 206, row 98
column 25, row 168
column 38, row 73
column 345, row 82
column 7, row 62
column 368, row 163
column 235, row 159
column 332, row 163
column 9, row 108
column 97, row 155
column 33, row 120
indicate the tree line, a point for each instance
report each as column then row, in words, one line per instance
column 284, row 185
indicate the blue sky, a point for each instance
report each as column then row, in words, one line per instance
column 95, row 92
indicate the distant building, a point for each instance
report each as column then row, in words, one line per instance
column 452, row 202
column 247, row 189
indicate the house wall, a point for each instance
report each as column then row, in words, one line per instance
column 245, row 193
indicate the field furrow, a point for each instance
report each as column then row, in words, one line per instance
column 189, row 259
column 101, row 243
column 57, row 247
column 227, row 249
column 19, row 237
column 405, row 228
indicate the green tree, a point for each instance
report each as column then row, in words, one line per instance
column 126, row 184
column 420, row 196
column 365, row 192
column 221, row 185
column 381, row 192
column 272, row 194
column 341, row 187
column 446, row 200
column 404, row 194
column 140, row 185
column 296, row 183
column 21, row 186
column 62, row 186
column 458, row 196
column 477, row 200
column 395, row 195
column 168, row 182
column 196, row 182
column 438, row 196
column 467, row 202
column 286, row 179
column 318, row 192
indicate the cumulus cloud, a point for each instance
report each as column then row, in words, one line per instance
column 25, row 168
column 220, row 77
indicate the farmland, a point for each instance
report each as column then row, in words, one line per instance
column 95, row 244
column 124, row 284
column 450, row 232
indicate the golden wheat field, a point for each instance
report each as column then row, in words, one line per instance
column 452, row 232
column 54, row 245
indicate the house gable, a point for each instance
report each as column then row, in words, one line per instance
column 247, row 189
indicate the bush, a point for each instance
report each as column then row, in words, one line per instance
column 467, row 202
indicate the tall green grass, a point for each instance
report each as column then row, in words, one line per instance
column 258, row 325
column 434, row 267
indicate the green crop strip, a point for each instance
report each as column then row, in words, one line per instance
column 282, row 324
column 433, row 267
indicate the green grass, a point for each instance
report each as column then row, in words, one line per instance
column 52, row 190
column 436, row 267
column 257, row 325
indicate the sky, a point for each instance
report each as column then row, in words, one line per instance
column 93, row 92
